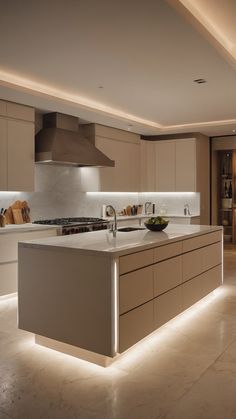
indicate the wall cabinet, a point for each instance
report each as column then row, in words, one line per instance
column 122, row 147
column 180, row 165
column 169, row 166
column 16, row 147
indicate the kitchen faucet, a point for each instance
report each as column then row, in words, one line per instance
column 113, row 228
column 146, row 206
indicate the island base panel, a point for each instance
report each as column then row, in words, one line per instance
column 83, row 354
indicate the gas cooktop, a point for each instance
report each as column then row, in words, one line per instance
column 71, row 221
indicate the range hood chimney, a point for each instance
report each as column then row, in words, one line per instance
column 59, row 142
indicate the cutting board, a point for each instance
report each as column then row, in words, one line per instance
column 18, row 213
column 17, row 216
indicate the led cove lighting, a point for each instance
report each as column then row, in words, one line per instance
column 32, row 87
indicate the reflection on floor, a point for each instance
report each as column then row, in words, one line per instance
column 187, row 370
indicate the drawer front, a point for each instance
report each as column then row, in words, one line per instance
column 211, row 256
column 167, row 306
column 135, row 261
column 9, row 242
column 168, row 251
column 136, row 288
column 167, row 275
column 192, row 264
column 192, row 291
column 8, row 278
column 135, row 325
column 204, row 240
column 212, row 279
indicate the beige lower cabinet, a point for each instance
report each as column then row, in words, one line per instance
column 136, row 288
column 211, row 279
column 9, row 256
column 167, row 306
column 174, row 280
column 192, row 291
column 135, row 325
column 167, row 275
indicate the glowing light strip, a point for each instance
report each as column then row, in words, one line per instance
column 209, row 24
column 115, row 307
column 142, row 193
column 7, row 297
column 32, row 87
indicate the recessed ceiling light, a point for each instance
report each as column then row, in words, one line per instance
column 199, row 81
column 100, row 87
column 233, row 130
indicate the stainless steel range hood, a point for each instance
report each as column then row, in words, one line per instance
column 59, row 142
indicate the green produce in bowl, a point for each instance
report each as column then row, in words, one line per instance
column 157, row 220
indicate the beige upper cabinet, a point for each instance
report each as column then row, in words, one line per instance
column 165, row 166
column 185, row 160
column 148, row 166
column 122, row 147
column 16, row 147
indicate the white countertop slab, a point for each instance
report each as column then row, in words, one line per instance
column 20, row 228
column 138, row 216
column 103, row 243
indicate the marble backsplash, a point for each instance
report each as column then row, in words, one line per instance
column 59, row 194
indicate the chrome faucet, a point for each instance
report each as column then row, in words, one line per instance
column 146, row 206
column 113, row 228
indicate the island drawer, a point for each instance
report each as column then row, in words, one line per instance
column 200, row 260
column 192, row 291
column 135, row 261
column 212, row 279
column 200, row 241
column 136, row 288
column 167, row 306
column 8, row 278
column 167, row 275
column 135, row 325
column 211, row 256
column 167, row 251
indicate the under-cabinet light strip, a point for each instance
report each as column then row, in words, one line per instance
column 142, row 193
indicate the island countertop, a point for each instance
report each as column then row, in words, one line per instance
column 103, row 243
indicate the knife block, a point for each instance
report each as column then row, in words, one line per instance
column 2, row 220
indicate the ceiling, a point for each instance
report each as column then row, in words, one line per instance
column 128, row 64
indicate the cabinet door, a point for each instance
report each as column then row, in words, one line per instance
column 148, row 166
column 186, row 165
column 20, row 156
column 125, row 176
column 165, row 166
column 3, row 155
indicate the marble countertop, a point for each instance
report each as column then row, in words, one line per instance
column 19, row 228
column 138, row 216
column 103, row 243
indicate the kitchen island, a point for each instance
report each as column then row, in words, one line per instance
column 103, row 294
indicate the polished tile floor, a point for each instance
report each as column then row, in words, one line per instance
column 187, row 370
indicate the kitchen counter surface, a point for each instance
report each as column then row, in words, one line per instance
column 140, row 216
column 103, row 243
column 20, row 228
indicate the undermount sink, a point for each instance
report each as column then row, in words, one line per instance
column 127, row 229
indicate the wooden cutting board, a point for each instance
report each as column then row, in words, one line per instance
column 17, row 216
column 18, row 213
